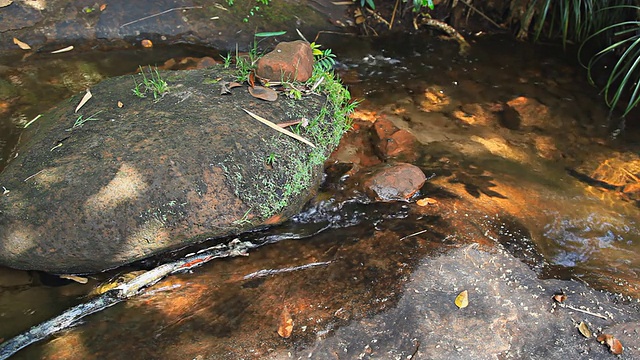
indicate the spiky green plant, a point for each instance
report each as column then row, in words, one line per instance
column 608, row 26
column 623, row 80
column 573, row 20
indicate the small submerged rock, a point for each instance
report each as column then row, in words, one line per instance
column 392, row 182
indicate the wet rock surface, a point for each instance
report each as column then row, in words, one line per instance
column 393, row 182
column 511, row 314
column 58, row 23
column 107, row 185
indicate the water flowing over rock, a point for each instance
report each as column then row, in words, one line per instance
column 126, row 177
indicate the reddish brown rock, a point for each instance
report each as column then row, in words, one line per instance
column 392, row 142
column 356, row 148
column 391, row 182
column 289, row 61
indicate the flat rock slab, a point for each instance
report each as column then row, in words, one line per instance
column 122, row 23
column 511, row 315
column 152, row 175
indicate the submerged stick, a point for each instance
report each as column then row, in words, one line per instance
column 123, row 292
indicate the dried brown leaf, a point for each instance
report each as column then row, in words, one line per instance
column 103, row 6
column 224, row 88
column 290, row 123
column 561, row 297
column 584, row 330
column 462, row 300
column 615, row 346
column 252, row 79
column 263, row 93
column 234, row 84
column 120, row 104
column 146, row 43
column 21, row 45
column 286, row 324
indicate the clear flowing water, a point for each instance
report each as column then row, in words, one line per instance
column 515, row 173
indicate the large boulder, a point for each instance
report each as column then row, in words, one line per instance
column 126, row 177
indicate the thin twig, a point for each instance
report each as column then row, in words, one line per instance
column 414, row 234
column 160, row 13
column 268, row 272
column 393, row 16
column 29, row 177
column 585, row 311
column 279, row 129
column 377, row 16
column 481, row 14
column 123, row 292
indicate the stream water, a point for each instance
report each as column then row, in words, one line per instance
column 516, row 174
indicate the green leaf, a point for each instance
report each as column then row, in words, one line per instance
column 371, row 4
column 269, row 34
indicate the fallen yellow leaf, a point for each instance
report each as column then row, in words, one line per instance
column 426, row 201
column 22, row 45
column 462, row 300
column 584, row 330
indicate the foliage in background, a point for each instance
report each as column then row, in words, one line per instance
column 605, row 30
column 324, row 59
column 417, row 4
column 254, row 9
column 623, row 81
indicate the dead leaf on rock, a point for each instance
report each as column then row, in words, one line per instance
column 103, row 6
column 120, row 104
column 68, row 48
column 263, row 93
column 584, row 330
column 560, row 297
column 21, row 45
column 286, row 324
column 234, row 84
column 462, row 300
column 224, row 88
column 426, row 201
column 358, row 16
column 252, row 79
column 84, row 100
column 615, row 346
column 146, row 43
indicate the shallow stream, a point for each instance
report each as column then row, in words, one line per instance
column 513, row 171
